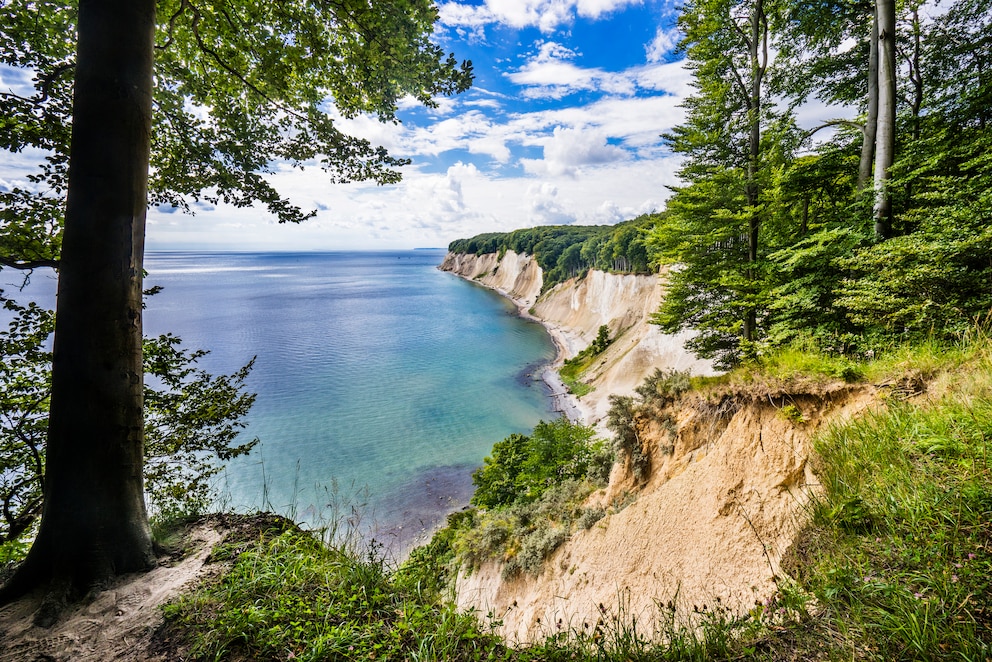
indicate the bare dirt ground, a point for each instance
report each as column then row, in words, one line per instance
column 122, row 623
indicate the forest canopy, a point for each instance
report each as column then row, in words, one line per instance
column 878, row 233
column 568, row 251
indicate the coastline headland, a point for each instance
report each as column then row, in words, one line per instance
column 722, row 503
column 572, row 312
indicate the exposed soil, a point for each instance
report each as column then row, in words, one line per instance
column 124, row 622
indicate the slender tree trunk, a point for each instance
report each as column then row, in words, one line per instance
column 885, row 140
column 757, row 42
column 871, row 120
column 94, row 524
column 916, row 73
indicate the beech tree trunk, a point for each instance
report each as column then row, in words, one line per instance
column 885, row 137
column 94, row 524
column 757, row 46
column 871, row 120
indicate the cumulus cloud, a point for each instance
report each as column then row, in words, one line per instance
column 439, row 195
column 546, row 15
column 545, row 208
column 664, row 42
column 551, row 74
column 569, row 149
column 425, row 209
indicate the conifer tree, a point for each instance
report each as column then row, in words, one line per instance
column 714, row 227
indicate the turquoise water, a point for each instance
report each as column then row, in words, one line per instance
column 382, row 382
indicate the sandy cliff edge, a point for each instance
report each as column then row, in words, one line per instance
column 721, row 507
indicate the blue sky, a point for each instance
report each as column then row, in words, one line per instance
column 562, row 125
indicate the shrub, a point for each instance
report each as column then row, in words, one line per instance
column 621, row 419
column 521, row 468
column 663, row 387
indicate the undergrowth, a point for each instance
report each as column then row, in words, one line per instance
column 902, row 559
column 571, row 371
column 291, row 596
column 894, row 565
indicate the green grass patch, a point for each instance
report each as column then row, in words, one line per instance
column 901, row 558
column 573, row 368
column 290, row 596
column 575, row 386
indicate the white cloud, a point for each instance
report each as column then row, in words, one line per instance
column 569, row 149
column 426, row 209
column 606, row 130
column 484, row 103
column 596, row 8
column 550, row 74
column 546, row 15
column 545, row 208
column 663, row 44
column 17, row 81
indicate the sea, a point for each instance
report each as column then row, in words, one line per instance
column 381, row 382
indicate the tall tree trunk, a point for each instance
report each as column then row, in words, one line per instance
column 885, row 140
column 758, row 60
column 916, row 73
column 871, row 120
column 94, row 524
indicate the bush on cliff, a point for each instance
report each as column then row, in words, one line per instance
column 521, row 468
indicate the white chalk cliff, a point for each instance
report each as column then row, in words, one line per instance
column 574, row 310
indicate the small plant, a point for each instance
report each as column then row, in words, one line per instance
column 791, row 412
column 539, row 545
column 589, row 517
column 602, row 340
column 572, row 369
column 622, row 421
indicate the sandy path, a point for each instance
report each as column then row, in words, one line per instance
column 113, row 625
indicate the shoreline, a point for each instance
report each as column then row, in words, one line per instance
column 562, row 401
column 401, row 540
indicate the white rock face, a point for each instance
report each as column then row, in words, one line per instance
column 574, row 310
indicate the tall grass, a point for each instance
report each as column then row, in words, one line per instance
column 290, row 596
column 904, row 559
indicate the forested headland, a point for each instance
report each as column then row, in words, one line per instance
column 568, row 251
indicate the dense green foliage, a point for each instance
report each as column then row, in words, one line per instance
column 522, row 467
column 528, row 498
column 818, row 272
column 568, row 251
column 239, row 87
column 192, row 420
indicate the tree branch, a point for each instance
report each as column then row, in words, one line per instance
column 826, row 125
column 46, row 85
column 27, row 265
column 234, row 72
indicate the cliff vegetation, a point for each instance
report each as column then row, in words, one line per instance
column 892, row 560
column 568, row 251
